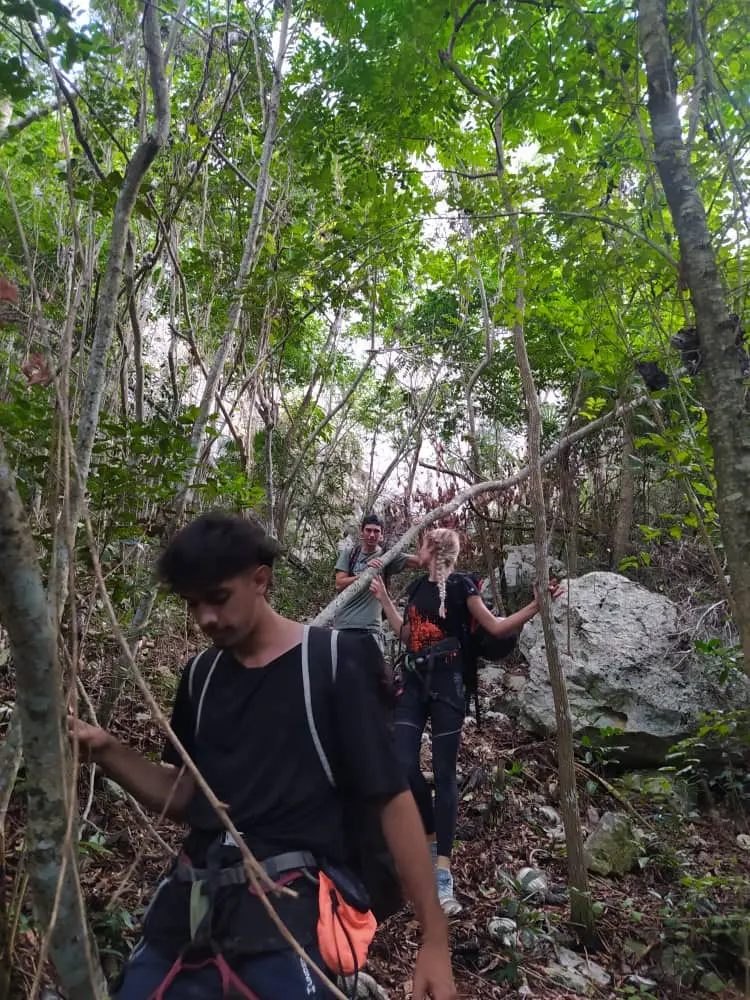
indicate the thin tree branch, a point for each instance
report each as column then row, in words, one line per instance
column 247, row 264
column 329, row 417
column 468, row 83
column 20, row 124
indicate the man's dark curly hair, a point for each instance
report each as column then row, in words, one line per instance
column 211, row 549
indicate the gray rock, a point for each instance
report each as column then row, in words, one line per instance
column 711, row 983
column 114, row 789
column 569, row 979
column 492, row 676
column 611, row 847
column 552, row 820
column 534, row 884
column 595, row 973
column 513, row 683
column 528, row 939
column 503, row 930
column 641, row 981
column 591, row 970
column 550, row 816
column 367, row 988
column 520, row 574
column 498, row 717
column 592, row 815
column 623, row 670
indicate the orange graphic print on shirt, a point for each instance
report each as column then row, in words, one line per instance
column 423, row 633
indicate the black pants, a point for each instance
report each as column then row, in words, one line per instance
column 275, row 974
column 443, row 705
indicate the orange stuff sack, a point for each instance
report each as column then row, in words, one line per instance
column 345, row 933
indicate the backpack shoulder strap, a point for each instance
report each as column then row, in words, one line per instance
column 309, row 678
column 198, row 681
column 354, row 554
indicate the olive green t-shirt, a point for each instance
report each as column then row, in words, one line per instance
column 365, row 611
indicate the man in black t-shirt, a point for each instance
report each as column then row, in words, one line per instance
column 242, row 713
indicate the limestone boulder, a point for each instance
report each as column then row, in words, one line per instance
column 520, row 574
column 611, row 847
column 626, row 670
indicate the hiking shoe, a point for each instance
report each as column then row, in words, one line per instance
column 449, row 903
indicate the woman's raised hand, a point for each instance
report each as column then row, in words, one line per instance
column 377, row 588
column 554, row 588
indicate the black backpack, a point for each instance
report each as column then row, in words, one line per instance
column 476, row 644
column 368, row 856
column 481, row 643
column 354, row 554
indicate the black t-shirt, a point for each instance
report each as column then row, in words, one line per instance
column 426, row 627
column 255, row 750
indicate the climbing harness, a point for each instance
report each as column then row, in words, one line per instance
column 283, row 869
column 423, row 663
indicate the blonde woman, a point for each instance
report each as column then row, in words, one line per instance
column 439, row 610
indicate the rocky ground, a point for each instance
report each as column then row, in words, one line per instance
column 669, row 927
column 672, row 926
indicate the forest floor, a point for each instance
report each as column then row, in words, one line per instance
column 672, row 916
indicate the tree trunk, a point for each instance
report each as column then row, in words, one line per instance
column 581, row 911
column 249, row 258
column 409, row 491
column 135, row 325
column 724, row 393
column 25, row 613
column 489, row 350
column 624, row 524
column 570, row 502
column 96, row 376
column 122, row 670
column 283, row 505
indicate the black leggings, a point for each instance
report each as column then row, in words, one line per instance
column 444, row 707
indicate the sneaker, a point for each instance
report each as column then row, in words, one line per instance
column 449, row 903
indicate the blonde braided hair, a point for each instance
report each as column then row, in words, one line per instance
column 444, row 544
